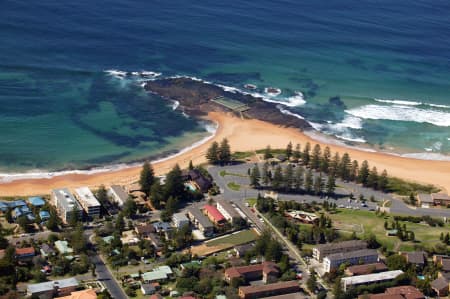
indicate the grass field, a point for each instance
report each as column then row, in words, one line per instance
column 239, row 238
column 251, row 201
column 223, row 173
column 365, row 222
column 233, row 186
column 224, row 243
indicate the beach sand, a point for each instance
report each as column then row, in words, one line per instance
column 243, row 135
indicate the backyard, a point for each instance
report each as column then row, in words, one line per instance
column 225, row 242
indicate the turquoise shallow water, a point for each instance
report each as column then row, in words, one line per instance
column 60, row 109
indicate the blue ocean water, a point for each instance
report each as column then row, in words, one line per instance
column 387, row 61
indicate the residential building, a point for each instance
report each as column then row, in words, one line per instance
column 162, row 227
column 267, row 271
column 200, row 221
column 47, row 250
column 240, row 250
column 440, row 199
column 400, row 292
column 160, row 274
column 179, row 220
column 44, row 215
column 441, row 286
column 302, row 216
column 369, row 279
column 213, row 214
column 88, row 201
column 147, row 289
column 51, row 289
column 36, row 201
column 118, row 194
column 84, row 294
column 227, row 210
column 144, row 230
column 273, row 289
column 443, row 261
column 417, row 258
column 321, row 251
column 424, row 200
column 364, row 256
column 129, row 238
column 366, row 269
column 63, row 247
column 201, row 183
column 25, row 254
column 66, row 204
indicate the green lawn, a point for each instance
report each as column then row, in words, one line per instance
column 223, row 173
column 365, row 222
column 239, row 238
column 233, row 186
column 251, row 201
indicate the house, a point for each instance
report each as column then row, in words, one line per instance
column 353, row 281
column 88, row 201
column 267, row 271
column 302, row 216
column 417, row 258
column 156, row 241
column 160, row 274
column 440, row 199
column 424, row 200
column 179, row 220
column 213, row 214
column 66, row 204
column 47, row 250
column 20, row 211
column 144, row 230
column 273, row 289
column 201, row 183
column 129, row 238
column 25, row 254
column 228, row 211
column 240, row 250
column 44, row 215
column 443, row 261
column 321, row 251
column 364, row 256
column 441, row 286
column 51, row 289
column 400, row 292
column 84, row 294
column 118, row 194
column 200, row 221
column 365, row 269
column 36, row 201
column 147, row 289
column 63, row 247
column 162, row 227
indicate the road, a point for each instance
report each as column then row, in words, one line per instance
column 345, row 188
column 107, row 278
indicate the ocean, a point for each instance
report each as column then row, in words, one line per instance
column 64, row 104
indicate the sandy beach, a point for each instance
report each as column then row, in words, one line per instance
column 243, row 135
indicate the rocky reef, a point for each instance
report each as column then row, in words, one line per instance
column 195, row 97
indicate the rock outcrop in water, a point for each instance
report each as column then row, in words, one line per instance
column 195, row 98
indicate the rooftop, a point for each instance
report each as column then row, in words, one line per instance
column 415, row 257
column 226, row 205
column 423, row 197
column 367, row 269
column 270, row 287
column 341, row 245
column 201, row 219
column 66, row 199
column 63, row 247
column 84, row 294
column 36, row 201
column 409, row 292
column 214, row 213
column 360, row 279
column 180, row 217
column 49, row 285
column 86, row 195
column 440, row 196
column 351, row 254
column 25, row 251
column 266, row 267
column 120, row 192
column 439, row 283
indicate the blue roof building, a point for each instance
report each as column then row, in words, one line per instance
column 17, row 203
column 20, row 211
column 36, row 201
column 44, row 215
column 4, row 206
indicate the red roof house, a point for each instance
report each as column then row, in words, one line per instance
column 213, row 214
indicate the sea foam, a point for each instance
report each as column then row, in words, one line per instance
column 402, row 113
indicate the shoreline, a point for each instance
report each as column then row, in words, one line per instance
column 243, row 135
